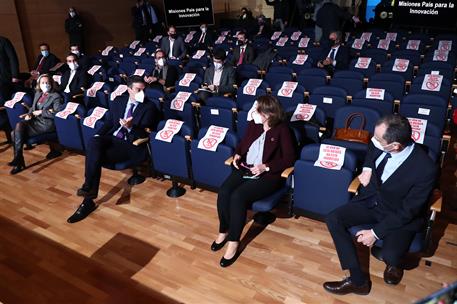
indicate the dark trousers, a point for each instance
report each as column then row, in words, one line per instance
column 105, row 149
column 395, row 245
column 26, row 129
column 234, row 198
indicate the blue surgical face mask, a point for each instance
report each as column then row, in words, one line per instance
column 45, row 53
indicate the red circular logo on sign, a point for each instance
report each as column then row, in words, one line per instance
column 208, row 143
column 401, row 66
column 185, row 81
column 178, row 103
column 441, row 57
column 362, row 65
column 328, row 164
column 415, row 135
column 165, row 134
column 286, row 92
column 90, row 120
column 250, row 89
column 432, row 84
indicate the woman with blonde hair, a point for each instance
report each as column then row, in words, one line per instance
column 39, row 120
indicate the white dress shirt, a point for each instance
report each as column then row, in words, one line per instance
column 72, row 75
column 135, row 104
column 217, row 76
column 172, row 42
column 336, row 48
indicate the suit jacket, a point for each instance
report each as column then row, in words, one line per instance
column 248, row 55
column 227, row 79
column 278, row 150
column 144, row 116
column 403, row 197
column 207, row 41
column 79, row 81
column 179, row 49
column 9, row 64
column 169, row 73
column 52, row 105
column 137, row 16
column 48, row 63
column 330, row 17
column 342, row 57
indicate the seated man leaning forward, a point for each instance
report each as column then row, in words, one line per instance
column 129, row 116
column 397, row 178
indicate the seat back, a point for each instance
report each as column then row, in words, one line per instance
column 218, row 111
column 69, row 131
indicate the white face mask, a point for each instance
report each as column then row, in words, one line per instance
column 257, row 118
column 75, row 52
column 217, row 65
column 161, row 62
column 72, row 14
column 73, row 66
column 45, row 87
column 139, row 96
column 203, row 29
column 378, row 145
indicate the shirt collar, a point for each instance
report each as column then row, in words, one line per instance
column 403, row 153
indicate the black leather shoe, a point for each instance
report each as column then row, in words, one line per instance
column 227, row 262
column 53, row 154
column 86, row 193
column 215, row 246
column 19, row 166
column 86, row 208
column 346, row 286
column 13, row 163
column 393, row 275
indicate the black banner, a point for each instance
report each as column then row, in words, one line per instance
column 188, row 12
column 429, row 13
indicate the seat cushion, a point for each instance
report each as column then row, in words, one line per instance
column 269, row 202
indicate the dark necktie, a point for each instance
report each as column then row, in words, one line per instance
column 122, row 132
column 240, row 61
column 381, row 166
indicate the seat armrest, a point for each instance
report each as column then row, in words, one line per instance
column 287, row 172
column 437, row 201
column 354, row 186
column 140, row 141
column 2, row 108
column 228, row 161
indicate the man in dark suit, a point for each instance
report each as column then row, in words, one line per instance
column 83, row 60
column 219, row 77
column 154, row 19
column 397, row 179
column 262, row 28
column 330, row 17
column 335, row 56
column 164, row 75
column 243, row 53
column 140, row 21
column 129, row 116
column 173, row 45
column 44, row 62
column 204, row 38
column 74, row 80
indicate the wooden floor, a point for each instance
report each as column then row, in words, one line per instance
column 139, row 242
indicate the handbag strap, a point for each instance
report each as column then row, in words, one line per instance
column 351, row 118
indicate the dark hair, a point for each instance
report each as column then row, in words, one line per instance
column 242, row 33
column 171, row 26
column 270, row 106
column 73, row 55
column 160, row 51
column 44, row 44
column 219, row 54
column 134, row 79
column 398, row 129
column 339, row 35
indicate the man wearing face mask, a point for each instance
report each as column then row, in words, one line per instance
column 74, row 80
column 205, row 38
column 44, row 62
column 74, row 27
column 129, row 116
column 397, row 180
column 163, row 76
column 335, row 56
column 262, row 28
column 83, row 60
column 173, row 45
column 243, row 53
column 219, row 78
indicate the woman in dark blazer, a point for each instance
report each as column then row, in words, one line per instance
column 264, row 152
column 40, row 119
